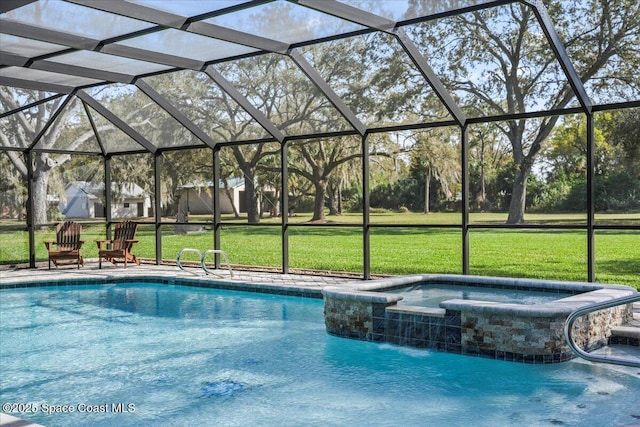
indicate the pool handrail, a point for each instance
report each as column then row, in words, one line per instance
column 202, row 257
column 215, row 251
column 568, row 328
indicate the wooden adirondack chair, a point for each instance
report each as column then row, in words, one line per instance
column 118, row 249
column 65, row 250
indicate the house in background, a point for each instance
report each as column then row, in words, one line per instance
column 197, row 198
column 86, row 200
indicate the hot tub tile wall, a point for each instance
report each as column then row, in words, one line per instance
column 510, row 338
column 502, row 339
column 360, row 318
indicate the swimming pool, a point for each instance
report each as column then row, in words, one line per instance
column 173, row 355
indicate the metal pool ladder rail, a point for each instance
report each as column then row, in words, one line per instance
column 568, row 327
column 202, row 259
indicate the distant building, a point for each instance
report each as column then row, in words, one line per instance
column 86, row 200
column 197, row 198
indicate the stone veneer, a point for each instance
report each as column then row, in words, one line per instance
column 513, row 332
column 538, row 339
column 359, row 316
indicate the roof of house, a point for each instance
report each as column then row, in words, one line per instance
column 231, row 182
column 120, row 190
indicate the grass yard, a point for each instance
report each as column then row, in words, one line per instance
column 544, row 254
column 446, row 218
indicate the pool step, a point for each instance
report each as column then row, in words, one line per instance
column 624, row 341
column 629, row 333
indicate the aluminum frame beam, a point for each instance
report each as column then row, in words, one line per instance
column 151, row 56
column 13, row 60
column 46, row 35
column 366, row 207
column 331, row 7
column 561, row 53
column 175, row 113
column 116, row 121
column 380, row 23
column 464, row 139
column 92, row 123
column 216, row 202
column 67, row 69
column 135, row 11
column 284, row 205
column 237, row 37
column 591, row 198
column 50, row 121
column 349, row 13
column 74, row 70
column 427, row 72
column 9, row 5
column 86, row 43
column 30, row 206
column 30, row 105
column 107, row 194
column 258, row 115
column 456, row 10
column 157, row 208
column 30, row 84
column 321, row 84
column 170, row 20
column 83, row 43
column 136, row 54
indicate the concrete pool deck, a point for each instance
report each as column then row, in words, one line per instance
column 306, row 285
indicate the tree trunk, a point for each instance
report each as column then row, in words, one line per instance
column 519, row 194
column 318, row 205
column 331, row 200
column 172, row 209
column 40, row 186
column 276, row 202
column 229, row 194
column 172, row 200
column 41, row 170
column 251, row 198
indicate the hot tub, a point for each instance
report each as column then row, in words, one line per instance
column 476, row 319
column 432, row 294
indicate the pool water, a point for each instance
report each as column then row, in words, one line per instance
column 433, row 294
column 190, row 356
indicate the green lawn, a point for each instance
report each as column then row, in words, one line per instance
column 544, row 254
